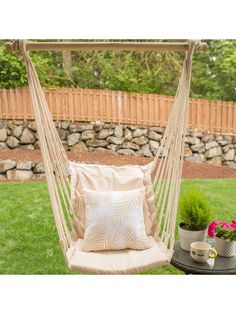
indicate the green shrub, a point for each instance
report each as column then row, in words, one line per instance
column 195, row 213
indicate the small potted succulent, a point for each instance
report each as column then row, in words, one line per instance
column 225, row 237
column 195, row 216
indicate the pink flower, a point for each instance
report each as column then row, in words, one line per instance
column 233, row 224
column 211, row 228
column 225, row 224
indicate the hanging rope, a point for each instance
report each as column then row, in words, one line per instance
column 53, row 154
column 170, row 158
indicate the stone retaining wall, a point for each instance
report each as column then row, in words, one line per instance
column 21, row 170
column 215, row 149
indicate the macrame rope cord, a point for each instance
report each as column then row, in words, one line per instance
column 53, row 154
column 170, row 155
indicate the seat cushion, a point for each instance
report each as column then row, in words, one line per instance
column 118, row 262
column 109, row 178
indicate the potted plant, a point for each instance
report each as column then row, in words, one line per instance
column 195, row 215
column 225, row 237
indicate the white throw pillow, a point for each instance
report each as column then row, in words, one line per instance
column 114, row 220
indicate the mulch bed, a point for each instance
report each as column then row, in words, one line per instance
column 190, row 170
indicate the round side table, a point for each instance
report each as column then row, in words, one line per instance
column 220, row 266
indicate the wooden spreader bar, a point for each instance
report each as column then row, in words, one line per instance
column 102, row 46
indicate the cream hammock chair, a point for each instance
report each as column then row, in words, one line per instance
column 63, row 177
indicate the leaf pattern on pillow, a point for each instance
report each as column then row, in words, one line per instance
column 95, row 236
column 111, row 241
column 133, row 240
column 98, row 240
column 114, row 220
column 124, row 209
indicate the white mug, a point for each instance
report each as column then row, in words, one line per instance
column 202, row 251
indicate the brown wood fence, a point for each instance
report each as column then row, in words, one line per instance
column 118, row 107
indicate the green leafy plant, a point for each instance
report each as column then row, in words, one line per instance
column 195, row 212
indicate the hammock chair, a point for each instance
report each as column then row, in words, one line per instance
column 64, row 180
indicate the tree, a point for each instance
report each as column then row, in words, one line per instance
column 48, row 65
column 67, row 62
column 214, row 71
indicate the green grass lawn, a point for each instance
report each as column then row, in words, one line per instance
column 28, row 237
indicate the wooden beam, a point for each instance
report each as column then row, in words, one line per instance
column 116, row 46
